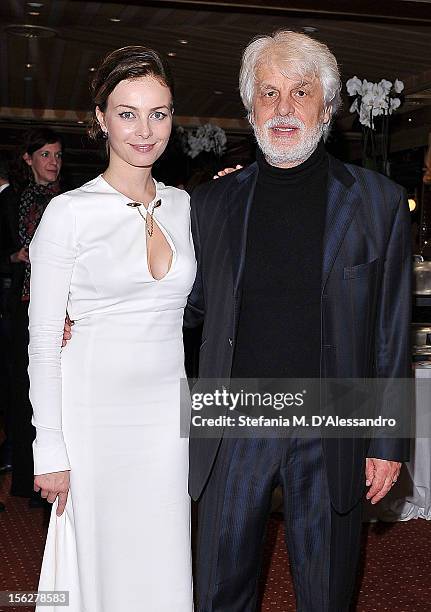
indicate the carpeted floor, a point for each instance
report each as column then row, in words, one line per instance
column 395, row 573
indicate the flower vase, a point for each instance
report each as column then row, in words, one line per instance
column 369, row 158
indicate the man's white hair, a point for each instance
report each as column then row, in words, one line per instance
column 295, row 54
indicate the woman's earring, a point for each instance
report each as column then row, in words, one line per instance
column 105, row 134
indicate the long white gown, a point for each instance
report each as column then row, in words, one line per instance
column 107, row 406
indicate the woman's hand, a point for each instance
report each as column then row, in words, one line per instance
column 52, row 486
column 20, row 256
column 67, row 331
column 227, row 171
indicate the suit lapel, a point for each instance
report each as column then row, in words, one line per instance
column 238, row 212
column 341, row 206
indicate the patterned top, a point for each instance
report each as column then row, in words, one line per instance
column 34, row 200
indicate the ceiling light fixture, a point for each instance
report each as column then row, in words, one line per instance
column 92, row 69
column 114, row 19
column 183, row 41
column 29, row 65
column 310, row 29
column 218, row 92
column 30, row 31
column 34, row 13
column 412, row 204
column 172, row 54
column 35, row 4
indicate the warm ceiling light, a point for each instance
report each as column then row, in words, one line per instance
column 172, row 54
column 410, row 119
column 28, row 30
column 310, row 29
column 218, row 92
column 412, row 204
column 35, row 4
column 92, row 69
column 29, row 65
column 34, row 13
column 183, row 41
column 80, row 122
column 114, row 19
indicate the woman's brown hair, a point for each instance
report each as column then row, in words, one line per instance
column 123, row 64
column 32, row 140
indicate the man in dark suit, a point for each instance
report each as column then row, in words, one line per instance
column 10, row 255
column 303, row 272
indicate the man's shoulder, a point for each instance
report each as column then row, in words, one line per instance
column 366, row 179
column 8, row 195
column 217, row 190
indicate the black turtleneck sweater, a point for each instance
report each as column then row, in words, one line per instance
column 279, row 324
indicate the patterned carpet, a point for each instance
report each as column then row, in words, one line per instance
column 394, row 576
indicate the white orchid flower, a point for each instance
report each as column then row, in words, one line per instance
column 373, row 99
column 367, row 87
column 380, row 97
column 368, row 99
column 377, row 110
column 381, row 101
column 386, row 85
column 394, row 104
column 377, row 90
column 364, row 115
column 354, row 86
column 354, row 107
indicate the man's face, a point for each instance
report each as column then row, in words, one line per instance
column 288, row 115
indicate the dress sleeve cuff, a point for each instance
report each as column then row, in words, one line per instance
column 50, row 454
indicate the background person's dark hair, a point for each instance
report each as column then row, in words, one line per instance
column 32, row 140
column 127, row 63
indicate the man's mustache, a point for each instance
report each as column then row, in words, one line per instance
column 284, row 122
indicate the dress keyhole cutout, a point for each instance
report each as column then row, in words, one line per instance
column 159, row 253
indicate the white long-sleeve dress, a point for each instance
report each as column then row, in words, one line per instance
column 107, row 405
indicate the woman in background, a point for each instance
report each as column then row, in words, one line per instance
column 34, row 180
column 117, row 253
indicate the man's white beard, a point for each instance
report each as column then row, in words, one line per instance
column 286, row 153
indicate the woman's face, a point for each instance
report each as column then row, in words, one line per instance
column 45, row 163
column 138, row 121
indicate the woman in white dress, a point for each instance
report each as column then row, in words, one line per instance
column 117, row 253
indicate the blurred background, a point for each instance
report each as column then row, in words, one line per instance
column 48, row 50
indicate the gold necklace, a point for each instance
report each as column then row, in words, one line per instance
column 150, row 213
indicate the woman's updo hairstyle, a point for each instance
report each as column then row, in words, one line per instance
column 123, row 64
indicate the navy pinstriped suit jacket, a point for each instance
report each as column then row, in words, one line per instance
column 365, row 300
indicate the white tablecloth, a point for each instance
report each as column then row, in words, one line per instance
column 411, row 497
